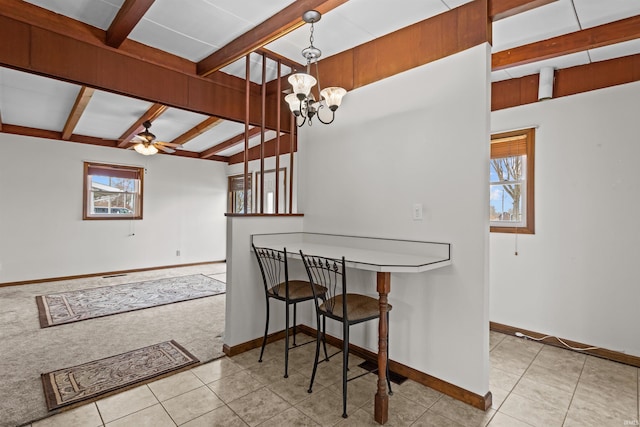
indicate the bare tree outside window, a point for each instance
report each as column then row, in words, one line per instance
column 511, row 208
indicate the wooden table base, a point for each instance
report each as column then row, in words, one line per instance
column 381, row 411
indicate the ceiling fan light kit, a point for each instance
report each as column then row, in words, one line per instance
column 145, row 149
column 148, row 145
column 301, row 102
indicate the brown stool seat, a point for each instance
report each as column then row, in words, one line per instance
column 359, row 307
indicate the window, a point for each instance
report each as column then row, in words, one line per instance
column 511, row 203
column 236, row 194
column 270, row 191
column 112, row 191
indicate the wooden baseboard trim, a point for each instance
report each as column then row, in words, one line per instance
column 604, row 353
column 451, row 390
column 255, row 343
column 108, row 273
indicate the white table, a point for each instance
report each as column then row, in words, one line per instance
column 384, row 256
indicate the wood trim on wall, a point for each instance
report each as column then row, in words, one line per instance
column 568, row 81
column 604, row 353
column 451, row 390
column 108, row 273
column 423, row 42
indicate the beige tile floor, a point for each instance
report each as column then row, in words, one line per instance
column 532, row 385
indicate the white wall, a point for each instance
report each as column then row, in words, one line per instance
column 417, row 137
column 576, row 277
column 42, row 234
column 245, row 303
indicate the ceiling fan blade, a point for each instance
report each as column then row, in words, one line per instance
column 169, row 144
column 165, row 149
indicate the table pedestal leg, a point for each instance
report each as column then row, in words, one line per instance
column 381, row 413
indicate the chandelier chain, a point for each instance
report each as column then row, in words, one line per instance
column 311, row 37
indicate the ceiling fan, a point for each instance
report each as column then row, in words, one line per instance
column 147, row 144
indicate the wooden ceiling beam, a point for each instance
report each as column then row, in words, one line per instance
column 568, row 81
column 500, row 9
column 283, row 22
column 152, row 113
column 36, row 40
column 82, row 100
column 199, row 129
column 228, row 143
column 269, row 150
column 50, row 134
column 127, row 18
column 591, row 38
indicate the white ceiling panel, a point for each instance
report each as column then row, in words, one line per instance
column 332, row 34
column 109, row 115
column 452, row 4
column 174, row 122
column 254, row 11
column 218, row 134
column 33, row 101
column 631, row 47
column 160, row 37
column 566, row 61
column 388, row 15
column 537, row 24
column 98, row 13
column 199, row 20
column 596, row 12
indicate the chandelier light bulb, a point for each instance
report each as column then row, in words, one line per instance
column 333, row 96
column 294, row 103
column 302, row 84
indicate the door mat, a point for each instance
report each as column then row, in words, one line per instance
column 393, row 377
column 73, row 306
column 89, row 380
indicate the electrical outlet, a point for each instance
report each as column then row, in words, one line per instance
column 177, row 252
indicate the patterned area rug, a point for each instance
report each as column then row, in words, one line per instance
column 73, row 306
column 71, row 385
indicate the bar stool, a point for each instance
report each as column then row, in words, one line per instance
column 336, row 303
column 275, row 276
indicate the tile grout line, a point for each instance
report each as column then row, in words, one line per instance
column 574, row 390
column 99, row 413
column 516, row 384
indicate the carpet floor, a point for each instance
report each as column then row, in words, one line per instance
column 27, row 351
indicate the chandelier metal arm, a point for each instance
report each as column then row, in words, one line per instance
column 333, row 116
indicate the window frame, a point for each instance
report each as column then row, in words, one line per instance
column 529, row 152
column 86, row 192
column 231, row 194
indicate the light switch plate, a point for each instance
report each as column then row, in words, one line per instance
column 417, row 211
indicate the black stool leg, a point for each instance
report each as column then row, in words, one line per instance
column 315, row 361
column 286, row 342
column 266, row 330
column 324, row 338
column 294, row 324
column 345, row 362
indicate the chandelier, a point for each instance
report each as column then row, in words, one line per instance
column 302, row 101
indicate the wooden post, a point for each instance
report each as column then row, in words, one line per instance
column 381, row 411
